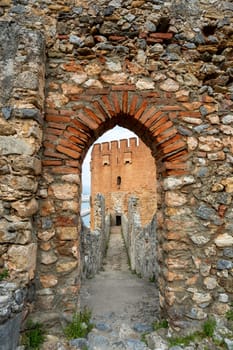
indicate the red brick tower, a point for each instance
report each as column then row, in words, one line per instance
column 120, row 169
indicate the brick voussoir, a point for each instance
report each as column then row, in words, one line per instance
column 92, row 115
column 169, row 149
column 102, row 110
column 81, row 135
column 158, row 119
column 141, row 110
column 77, row 141
column 108, row 105
column 90, row 123
column 116, row 103
column 182, row 156
column 69, row 152
column 78, row 124
column 166, row 135
column 125, row 99
column 162, row 128
column 150, row 122
column 152, row 110
column 68, row 144
column 171, row 140
column 133, row 105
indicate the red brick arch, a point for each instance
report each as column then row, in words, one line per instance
column 70, row 132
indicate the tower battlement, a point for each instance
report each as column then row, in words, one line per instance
column 124, row 145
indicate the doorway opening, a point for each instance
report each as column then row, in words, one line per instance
column 118, row 220
column 124, row 215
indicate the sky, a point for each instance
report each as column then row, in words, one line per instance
column 116, row 133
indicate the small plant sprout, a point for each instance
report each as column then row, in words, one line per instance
column 34, row 336
column 4, row 274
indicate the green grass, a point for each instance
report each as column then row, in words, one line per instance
column 185, row 340
column 80, row 325
column 4, row 274
column 34, row 336
column 209, row 327
column 207, row 331
column 143, row 338
column 229, row 315
column 159, row 324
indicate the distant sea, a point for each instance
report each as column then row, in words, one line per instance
column 86, row 219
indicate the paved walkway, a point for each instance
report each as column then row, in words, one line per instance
column 119, row 300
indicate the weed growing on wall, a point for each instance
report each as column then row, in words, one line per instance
column 229, row 313
column 207, row 331
column 159, row 324
column 209, row 327
column 33, row 336
column 80, row 325
column 4, row 274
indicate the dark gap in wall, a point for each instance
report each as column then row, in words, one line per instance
column 163, row 25
column 209, row 29
column 210, row 76
column 206, row 57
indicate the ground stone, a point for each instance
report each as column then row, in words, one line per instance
column 224, row 240
column 156, row 342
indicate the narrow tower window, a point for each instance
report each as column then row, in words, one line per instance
column 106, row 159
column 118, row 182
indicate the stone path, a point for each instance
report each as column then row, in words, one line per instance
column 123, row 305
column 123, row 308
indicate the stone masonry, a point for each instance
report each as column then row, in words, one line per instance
column 71, row 70
column 94, row 242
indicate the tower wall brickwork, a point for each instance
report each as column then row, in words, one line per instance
column 121, row 169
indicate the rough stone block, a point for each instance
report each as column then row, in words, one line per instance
column 9, row 333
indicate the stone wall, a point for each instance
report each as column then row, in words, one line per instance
column 162, row 69
column 12, row 300
column 22, row 58
column 140, row 241
column 21, row 105
column 94, row 242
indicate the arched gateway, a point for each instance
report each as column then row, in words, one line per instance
column 68, row 133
